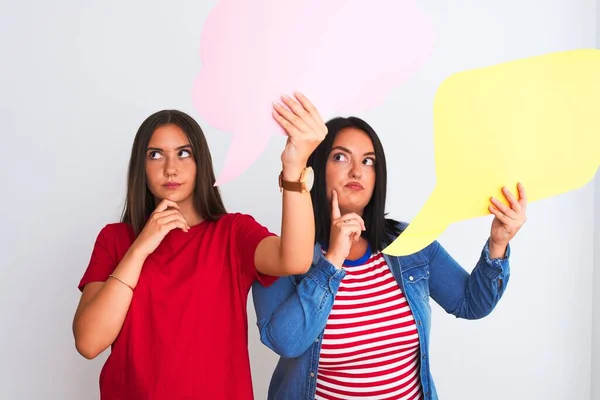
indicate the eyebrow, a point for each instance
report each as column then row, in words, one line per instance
column 185, row 146
column 370, row 153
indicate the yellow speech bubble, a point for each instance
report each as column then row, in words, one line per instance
column 535, row 121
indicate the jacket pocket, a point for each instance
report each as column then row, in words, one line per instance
column 416, row 278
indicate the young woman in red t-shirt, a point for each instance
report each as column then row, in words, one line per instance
column 166, row 288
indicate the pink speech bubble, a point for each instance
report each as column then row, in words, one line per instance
column 344, row 55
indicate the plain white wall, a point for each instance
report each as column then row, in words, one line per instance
column 596, row 306
column 78, row 78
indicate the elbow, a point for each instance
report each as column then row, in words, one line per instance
column 284, row 348
column 472, row 316
column 300, row 269
column 474, row 313
column 88, row 352
column 88, row 347
column 288, row 351
column 298, row 266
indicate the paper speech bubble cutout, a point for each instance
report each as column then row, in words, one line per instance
column 535, row 121
column 344, row 55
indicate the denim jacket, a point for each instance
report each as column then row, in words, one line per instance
column 292, row 313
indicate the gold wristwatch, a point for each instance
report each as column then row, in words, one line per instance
column 302, row 185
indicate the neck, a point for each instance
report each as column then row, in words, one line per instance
column 358, row 249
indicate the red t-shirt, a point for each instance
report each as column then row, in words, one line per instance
column 185, row 335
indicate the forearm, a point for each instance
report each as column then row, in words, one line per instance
column 297, row 227
column 487, row 282
column 469, row 296
column 98, row 321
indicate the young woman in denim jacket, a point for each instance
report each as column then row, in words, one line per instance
column 357, row 324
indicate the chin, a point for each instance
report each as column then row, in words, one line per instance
column 172, row 195
column 352, row 208
column 178, row 198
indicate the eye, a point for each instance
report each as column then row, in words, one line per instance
column 370, row 161
column 340, row 157
column 154, row 155
column 185, row 153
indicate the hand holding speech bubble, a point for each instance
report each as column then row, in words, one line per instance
column 535, row 121
column 344, row 55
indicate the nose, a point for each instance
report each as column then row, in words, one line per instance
column 356, row 170
column 170, row 167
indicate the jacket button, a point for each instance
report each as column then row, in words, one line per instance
column 312, row 374
column 317, row 340
column 410, row 278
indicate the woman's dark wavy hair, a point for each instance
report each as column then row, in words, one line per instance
column 139, row 203
column 380, row 231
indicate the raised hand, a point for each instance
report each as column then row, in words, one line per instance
column 305, row 129
column 345, row 230
column 508, row 220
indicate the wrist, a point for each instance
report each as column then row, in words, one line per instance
column 292, row 172
column 137, row 253
column 335, row 259
column 497, row 250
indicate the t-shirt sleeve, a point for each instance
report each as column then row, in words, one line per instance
column 102, row 262
column 247, row 235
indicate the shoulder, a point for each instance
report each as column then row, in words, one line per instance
column 115, row 239
column 238, row 219
column 238, row 216
column 117, row 231
column 241, row 225
column 394, row 228
column 111, row 244
column 401, row 225
column 427, row 253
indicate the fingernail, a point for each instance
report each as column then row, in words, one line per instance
column 297, row 93
column 285, row 97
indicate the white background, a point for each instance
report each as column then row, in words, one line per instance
column 76, row 80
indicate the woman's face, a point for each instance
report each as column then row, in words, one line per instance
column 170, row 165
column 350, row 170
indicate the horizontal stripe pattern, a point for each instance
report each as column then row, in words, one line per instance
column 370, row 347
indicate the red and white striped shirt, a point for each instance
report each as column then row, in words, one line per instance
column 370, row 347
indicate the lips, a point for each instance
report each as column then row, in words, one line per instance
column 354, row 186
column 172, row 185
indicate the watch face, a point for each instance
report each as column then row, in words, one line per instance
column 309, row 178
